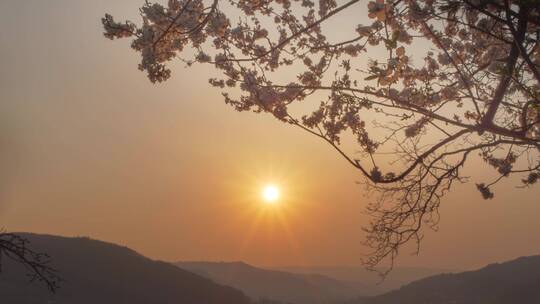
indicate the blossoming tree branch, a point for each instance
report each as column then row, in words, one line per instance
column 420, row 88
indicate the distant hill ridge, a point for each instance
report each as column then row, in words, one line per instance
column 283, row 286
column 105, row 273
column 367, row 281
column 513, row 282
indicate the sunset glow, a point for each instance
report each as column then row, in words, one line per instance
column 270, row 152
column 270, row 194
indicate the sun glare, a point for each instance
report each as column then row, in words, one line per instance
column 270, row 194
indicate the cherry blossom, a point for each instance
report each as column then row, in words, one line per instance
column 431, row 83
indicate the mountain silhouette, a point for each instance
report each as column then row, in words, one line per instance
column 513, row 282
column 368, row 282
column 282, row 286
column 98, row 272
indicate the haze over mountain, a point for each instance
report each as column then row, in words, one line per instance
column 98, row 272
column 305, row 284
column 370, row 282
column 283, row 286
column 513, row 282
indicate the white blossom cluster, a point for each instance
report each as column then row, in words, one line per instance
column 432, row 80
column 460, row 74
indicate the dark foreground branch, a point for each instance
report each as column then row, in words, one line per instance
column 37, row 264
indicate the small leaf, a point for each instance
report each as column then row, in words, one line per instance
column 381, row 15
column 371, row 77
column 400, row 51
column 486, row 192
column 395, row 35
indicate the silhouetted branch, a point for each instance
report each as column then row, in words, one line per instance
column 474, row 88
column 17, row 248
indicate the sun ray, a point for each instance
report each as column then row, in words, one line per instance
column 270, row 194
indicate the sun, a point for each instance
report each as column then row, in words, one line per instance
column 270, row 194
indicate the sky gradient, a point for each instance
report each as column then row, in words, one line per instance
column 90, row 147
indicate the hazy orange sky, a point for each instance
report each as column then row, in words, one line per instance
column 90, row 147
